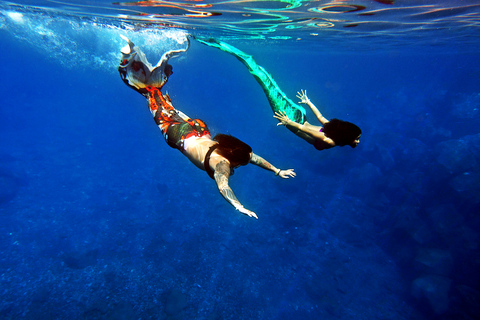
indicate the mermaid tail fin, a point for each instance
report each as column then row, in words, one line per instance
column 171, row 54
column 138, row 73
column 276, row 97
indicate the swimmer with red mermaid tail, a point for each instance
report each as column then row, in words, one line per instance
column 218, row 156
column 332, row 133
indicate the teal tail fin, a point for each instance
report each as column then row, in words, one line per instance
column 276, row 97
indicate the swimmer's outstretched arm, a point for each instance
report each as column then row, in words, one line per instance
column 221, row 175
column 262, row 163
column 302, row 95
column 305, row 132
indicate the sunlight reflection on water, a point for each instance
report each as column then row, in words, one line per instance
column 385, row 21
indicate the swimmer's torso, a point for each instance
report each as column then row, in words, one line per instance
column 195, row 149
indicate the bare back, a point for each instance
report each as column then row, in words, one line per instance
column 196, row 149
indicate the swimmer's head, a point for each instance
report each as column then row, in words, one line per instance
column 343, row 133
column 237, row 152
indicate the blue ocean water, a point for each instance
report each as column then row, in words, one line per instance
column 102, row 220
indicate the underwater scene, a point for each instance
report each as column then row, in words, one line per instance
column 101, row 218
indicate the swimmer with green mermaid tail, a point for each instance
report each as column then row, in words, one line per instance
column 332, row 132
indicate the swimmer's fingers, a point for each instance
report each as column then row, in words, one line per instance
column 282, row 116
column 303, row 96
column 285, row 174
column 278, row 114
column 247, row 212
column 300, row 94
column 279, row 117
column 252, row 214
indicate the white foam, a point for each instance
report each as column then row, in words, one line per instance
column 86, row 44
column 15, row 16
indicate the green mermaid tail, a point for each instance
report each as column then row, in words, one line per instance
column 276, row 97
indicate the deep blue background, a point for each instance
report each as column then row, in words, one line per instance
column 102, row 220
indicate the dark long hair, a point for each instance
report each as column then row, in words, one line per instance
column 342, row 132
column 237, row 152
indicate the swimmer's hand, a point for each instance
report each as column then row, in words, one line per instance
column 282, row 117
column 302, row 95
column 246, row 212
column 285, row 174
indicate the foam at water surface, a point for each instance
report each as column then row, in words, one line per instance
column 73, row 42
